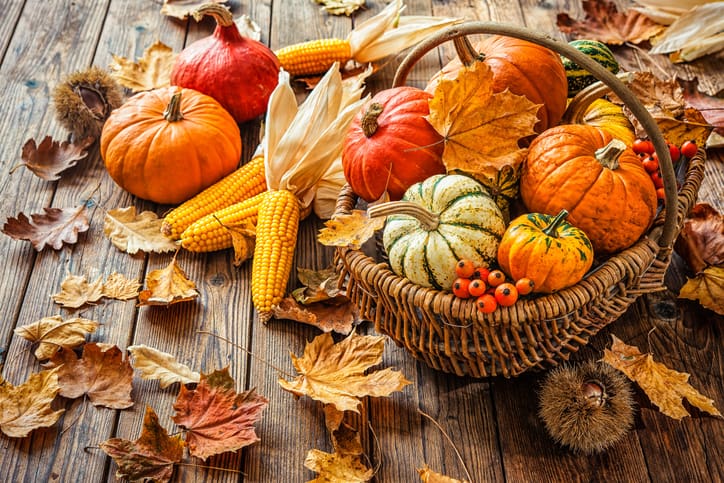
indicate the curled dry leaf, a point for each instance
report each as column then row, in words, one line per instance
column 151, row 71
column 27, row 407
column 167, row 286
column 665, row 387
column 151, row 457
column 340, row 318
column 707, row 287
column 52, row 157
column 349, row 230
column 216, row 417
column 53, row 228
column 345, row 439
column 76, row 291
column 319, row 286
column 153, row 364
column 183, row 8
column 710, row 107
column 131, row 232
column 701, row 240
column 429, row 476
column 118, row 287
column 52, row 333
column 335, row 467
column 244, row 240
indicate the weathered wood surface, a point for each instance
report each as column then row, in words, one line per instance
column 492, row 423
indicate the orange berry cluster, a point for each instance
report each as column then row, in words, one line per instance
column 489, row 287
column 650, row 160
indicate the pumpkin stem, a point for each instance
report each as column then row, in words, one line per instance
column 429, row 220
column 609, row 154
column 466, row 52
column 222, row 15
column 552, row 229
column 369, row 119
column 173, row 110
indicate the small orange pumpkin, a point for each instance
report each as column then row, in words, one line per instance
column 168, row 144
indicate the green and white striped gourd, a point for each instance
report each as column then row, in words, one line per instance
column 439, row 221
column 579, row 78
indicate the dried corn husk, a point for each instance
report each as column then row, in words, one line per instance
column 666, row 12
column 697, row 32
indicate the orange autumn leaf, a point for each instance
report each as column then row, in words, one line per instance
column 481, row 129
column 52, row 333
column 707, row 287
column 701, row 240
column 337, row 468
column 76, row 291
column 340, row 318
column 167, row 286
column 27, row 407
column 340, row 374
column 216, row 417
column 665, row 387
column 150, row 457
column 429, row 476
column 350, row 230
column 151, row 71
column 118, row 287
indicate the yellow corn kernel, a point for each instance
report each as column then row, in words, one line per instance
column 247, row 181
column 313, row 57
column 276, row 239
column 211, row 232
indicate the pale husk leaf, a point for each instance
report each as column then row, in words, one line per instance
column 695, row 33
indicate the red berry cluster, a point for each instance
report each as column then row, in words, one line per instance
column 650, row 160
column 489, row 287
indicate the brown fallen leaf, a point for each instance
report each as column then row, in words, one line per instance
column 27, row 407
column 151, row 457
column 319, row 286
column 118, row 287
column 710, row 107
column 429, row 476
column 53, row 228
column 339, row 374
column 340, row 7
column 346, row 440
column 183, row 8
column 340, row 318
column 707, row 287
column 603, row 22
column 665, row 387
column 481, row 128
column 701, row 240
column 52, row 157
column 52, row 333
column 337, row 468
column 151, row 71
column 152, row 364
column 167, row 286
column 216, row 417
column 131, row 232
column 101, row 374
column 76, row 291
column 244, row 239
column 349, row 230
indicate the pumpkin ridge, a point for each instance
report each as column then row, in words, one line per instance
column 475, row 227
column 430, row 275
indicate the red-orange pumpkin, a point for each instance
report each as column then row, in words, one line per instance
column 168, row 144
column 390, row 145
column 601, row 182
column 527, row 69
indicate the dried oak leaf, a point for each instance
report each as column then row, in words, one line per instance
column 167, row 286
column 151, row 71
column 27, row 407
column 118, row 287
column 481, row 128
column 76, row 291
column 339, row 374
column 707, row 287
column 52, row 157
column 154, row 364
column 337, row 468
column 101, row 373
column 701, row 240
column 216, row 417
column 52, row 333
column 603, row 22
column 131, row 232
column 183, row 8
column 349, row 230
column 151, row 457
column 54, row 227
column 340, row 318
column 665, row 387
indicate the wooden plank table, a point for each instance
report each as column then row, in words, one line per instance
column 492, row 422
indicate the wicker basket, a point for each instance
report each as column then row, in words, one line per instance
column 450, row 335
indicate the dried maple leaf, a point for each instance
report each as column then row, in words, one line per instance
column 338, row 374
column 52, row 333
column 429, row 476
column 54, row 228
column 151, row 457
column 131, row 232
column 665, row 387
column 27, row 407
column 52, row 157
column 101, row 373
column 183, row 8
column 701, row 240
column 337, row 468
column 345, row 439
column 481, row 128
column 603, row 22
column 339, row 318
column 707, row 287
column 217, row 418
column 154, row 364
column 349, row 230
column 151, row 71
column 118, row 287
column 167, row 286
column 76, row 291
column 341, row 7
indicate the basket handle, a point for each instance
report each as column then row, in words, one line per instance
column 668, row 234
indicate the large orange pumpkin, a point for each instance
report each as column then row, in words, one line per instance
column 527, row 69
column 600, row 181
column 168, row 144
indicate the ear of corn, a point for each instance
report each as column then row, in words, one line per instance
column 211, row 232
column 314, row 56
column 276, row 239
column 244, row 183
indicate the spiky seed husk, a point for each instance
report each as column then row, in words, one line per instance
column 588, row 407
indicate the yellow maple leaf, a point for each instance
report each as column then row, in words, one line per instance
column 52, row 333
column 151, row 71
column 665, row 387
column 350, row 230
column 131, row 232
column 429, row 476
column 76, row 291
column 337, row 468
column 167, row 286
column 243, row 238
column 154, row 364
column 27, row 407
column 481, row 128
column 338, row 374
column 118, row 287
column 707, row 287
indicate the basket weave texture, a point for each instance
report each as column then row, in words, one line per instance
column 449, row 334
